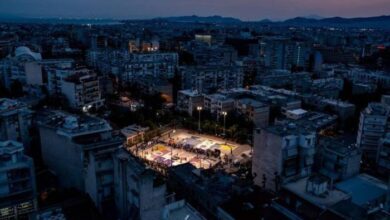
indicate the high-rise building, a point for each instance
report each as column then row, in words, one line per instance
column 15, row 121
column 372, row 126
column 140, row 192
column 282, row 153
column 99, row 176
column 206, row 191
column 159, row 65
column 283, row 53
column 82, row 90
column 68, row 140
column 383, row 155
column 210, row 79
column 55, row 70
column 338, row 160
column 17, row 182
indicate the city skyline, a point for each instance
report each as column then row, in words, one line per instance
column 196, row 110
column 244, row 10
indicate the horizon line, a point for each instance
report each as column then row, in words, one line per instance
column 10, row 16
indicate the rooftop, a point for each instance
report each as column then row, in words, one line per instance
column 10, row 147
column 363, row 189
column 138, row 167
column 19, row 51
column 54, row 213
column 298, row 111
column 376, row 109
column 181, row 210
column 81, row 75
column 133, row 130
column 251, row 102
column 8, row 106
column 219, row 97
column 189, row 92
column 310, row 123
column 216, row 184
column 333, row 196
column 338, row 103
column 249, row 205
column 339, row 146
column 73, row 125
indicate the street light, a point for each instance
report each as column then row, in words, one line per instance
column 199, row 108
column 224, row 122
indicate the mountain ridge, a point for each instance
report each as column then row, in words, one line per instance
column 381, row 22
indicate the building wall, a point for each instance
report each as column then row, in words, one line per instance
column 261, row 116
column 136, row 195
column 267, row 157
column 63, row 157
column 152, row 199
column 91, row 181
column 99, row 176
column 371, row 129
column 353, row 166
column 69, row 90
column 16, row 126
column 17, row 187
column 33, row 73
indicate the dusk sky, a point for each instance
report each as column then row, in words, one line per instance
column 243, row 9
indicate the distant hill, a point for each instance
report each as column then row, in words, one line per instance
column 382, row 22
column 198, row 19
column 309, row 21
column 317, row 17
column 369, row 22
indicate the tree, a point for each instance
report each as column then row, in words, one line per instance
column 3, row 91
column 16, row 89
column 176, row 84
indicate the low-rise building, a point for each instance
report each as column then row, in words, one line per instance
column 134, row 134
column 188, row 101
column 218, row 103
column 258, row 112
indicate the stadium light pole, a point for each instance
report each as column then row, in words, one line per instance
column 224, row 123
column 199, row 108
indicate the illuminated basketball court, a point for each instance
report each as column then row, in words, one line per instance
column 182, row 146
column 169, row 156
